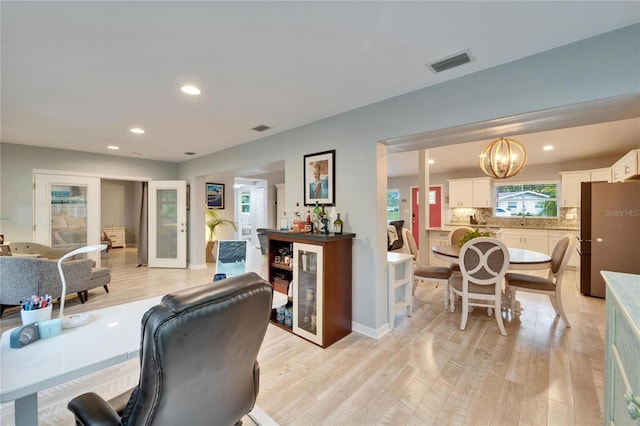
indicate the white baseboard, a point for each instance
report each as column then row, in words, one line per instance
column 371, row 332
column 197, row 266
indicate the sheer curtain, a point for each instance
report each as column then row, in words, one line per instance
column 143, row 231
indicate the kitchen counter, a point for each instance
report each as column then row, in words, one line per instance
column 526, row 226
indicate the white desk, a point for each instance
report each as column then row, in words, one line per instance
column 112, row 336
column 399, row 275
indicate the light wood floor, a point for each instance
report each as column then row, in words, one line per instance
column 425, row 372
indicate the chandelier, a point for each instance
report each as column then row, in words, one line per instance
column 503, row 158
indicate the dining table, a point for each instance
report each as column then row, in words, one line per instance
column 519, row 259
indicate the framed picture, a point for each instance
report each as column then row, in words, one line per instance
column 320, row 178
column 215, row 195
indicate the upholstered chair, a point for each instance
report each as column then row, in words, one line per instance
column 197, row 361
column 483, row 264
column 551, row 285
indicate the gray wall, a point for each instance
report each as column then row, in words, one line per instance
column 579, row 72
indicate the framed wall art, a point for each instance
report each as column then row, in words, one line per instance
column 215, row 195
column 320, row 178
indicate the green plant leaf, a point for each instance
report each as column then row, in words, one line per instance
column 213, row 220
column 470, row 235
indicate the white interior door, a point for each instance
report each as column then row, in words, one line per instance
column 168, row 224
column 67, row 211
column 258, row 213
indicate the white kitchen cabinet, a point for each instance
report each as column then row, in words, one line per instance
column 437, row 238
column 470, row 193
column 460, row 193
column 555, row 236
column 570, row 188
column 528, row 239
column 481, row 195
column 626, row 167
column 601, row 175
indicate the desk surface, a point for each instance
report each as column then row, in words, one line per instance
column 112, row 336
column 527, row 259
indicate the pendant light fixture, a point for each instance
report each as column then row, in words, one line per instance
column 503, row 158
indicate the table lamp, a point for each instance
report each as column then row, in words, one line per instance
column 78, row 319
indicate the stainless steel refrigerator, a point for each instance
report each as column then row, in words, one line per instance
column 609, row 232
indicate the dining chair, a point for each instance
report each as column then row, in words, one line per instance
column 455, row 237
column 429, row 273
column 458, row 233
column 483, row 264
column 551, row 285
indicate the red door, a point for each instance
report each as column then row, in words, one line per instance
column 435, row 207
column 435, row 210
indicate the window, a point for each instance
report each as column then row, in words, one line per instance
column 393, row 204
column 246, row 202
column 526, row 199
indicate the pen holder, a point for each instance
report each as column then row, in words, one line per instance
column 37, row 315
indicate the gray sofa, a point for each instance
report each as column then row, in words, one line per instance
column 18, row 248
column 22, row 277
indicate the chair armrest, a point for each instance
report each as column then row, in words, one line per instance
column 90, row 409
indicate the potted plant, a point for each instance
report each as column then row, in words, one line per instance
column 213, row 220
column 471, row 235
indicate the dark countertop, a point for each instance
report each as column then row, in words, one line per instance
column 308, row 236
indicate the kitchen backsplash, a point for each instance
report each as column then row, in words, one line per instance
column 568, row 219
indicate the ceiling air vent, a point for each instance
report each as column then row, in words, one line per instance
column 261, row 128
column 189, row 153
column 451, row 62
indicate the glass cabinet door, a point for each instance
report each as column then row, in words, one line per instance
column 308, row 291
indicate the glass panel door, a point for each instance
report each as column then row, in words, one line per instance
column 167, row 224
column 308, row 291
column 67, row 211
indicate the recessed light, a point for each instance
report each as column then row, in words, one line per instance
column 431, row 161
column 113, row 147
column 548, row 147
column 136, row 154
column 137, row 130
column 190, row 90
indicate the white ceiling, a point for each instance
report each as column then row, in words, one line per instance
column 78, row 75
column 605, row 140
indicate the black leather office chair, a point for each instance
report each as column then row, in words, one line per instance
column 198, row 359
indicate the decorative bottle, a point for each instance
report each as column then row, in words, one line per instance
column 284, row 222
column 337, row 225
column 317, row 216
column 308, row 226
